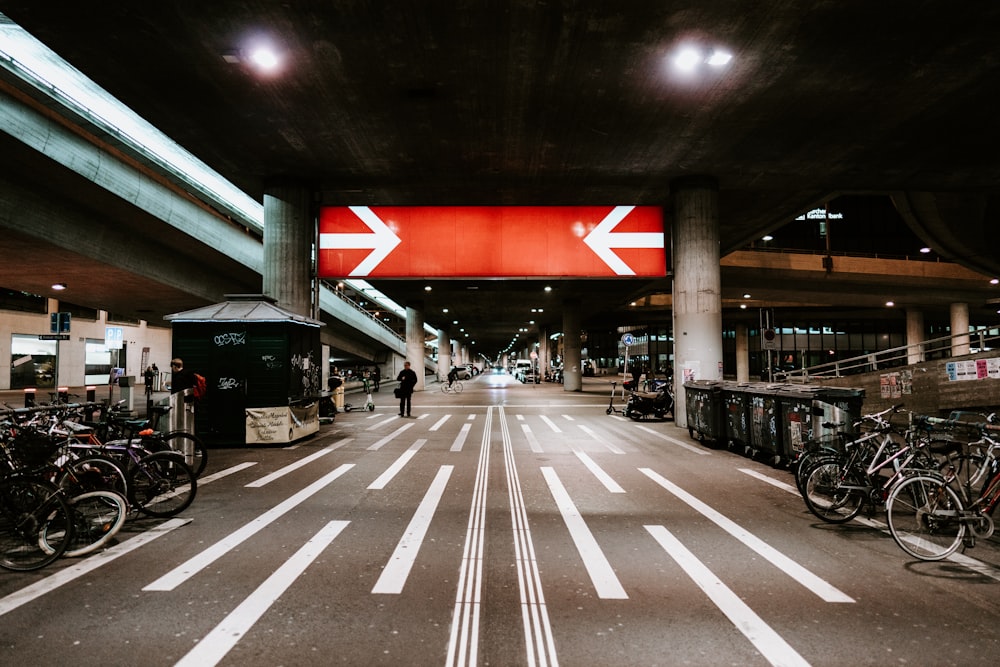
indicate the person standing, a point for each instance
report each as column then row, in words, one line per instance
column 148, row 376
column 180, row 377
column 407, row 381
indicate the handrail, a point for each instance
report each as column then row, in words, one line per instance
column 934, row 348
column 358, row 306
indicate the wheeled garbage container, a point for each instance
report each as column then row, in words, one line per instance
column 703, row 399
column 736, row 407
column 814, row 413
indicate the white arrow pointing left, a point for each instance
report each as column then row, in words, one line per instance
column 381, row 240
column 602, row 239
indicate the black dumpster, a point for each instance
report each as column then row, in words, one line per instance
column 806, row 408
column 736, row 407
column 703, row 399
column 765, row 426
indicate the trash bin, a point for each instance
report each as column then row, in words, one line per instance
column 765, row 434
column 703, row 399
column 736, row 406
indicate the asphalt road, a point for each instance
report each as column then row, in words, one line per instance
column 509, row 525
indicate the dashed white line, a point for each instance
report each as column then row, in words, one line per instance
column 397, row 465
column 277, row 474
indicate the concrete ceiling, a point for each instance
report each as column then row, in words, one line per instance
column 566, row 102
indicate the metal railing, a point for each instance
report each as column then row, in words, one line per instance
column 980, row 340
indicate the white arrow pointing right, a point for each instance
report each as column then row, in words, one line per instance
column 601, row 240
column 381, row 240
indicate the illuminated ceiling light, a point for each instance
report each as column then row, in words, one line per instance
column 890, row 304
column 59, row 286
column 265, row 59
column 743, row 306
column 428, row 288
column 687, row 59
column 994, row 281
column 925, row 250
column 768, row 237
column 444, row 310
column 548, row 288
column 718, row 58
column 747, row 295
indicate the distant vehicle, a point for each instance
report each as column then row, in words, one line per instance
column 463, row 372
column 522, row 367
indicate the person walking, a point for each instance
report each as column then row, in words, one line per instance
column 407, row 381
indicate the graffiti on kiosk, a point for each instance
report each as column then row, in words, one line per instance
column 231, row 339
column 308, row 371
column 271, row 362
column 228, row 383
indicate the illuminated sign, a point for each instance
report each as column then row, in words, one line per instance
column 490, row 241
column 820, row 214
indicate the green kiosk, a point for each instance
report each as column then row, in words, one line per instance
column 263, row 368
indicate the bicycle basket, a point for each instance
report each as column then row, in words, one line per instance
column 31, row 448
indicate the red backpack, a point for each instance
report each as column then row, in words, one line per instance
column 200, row 387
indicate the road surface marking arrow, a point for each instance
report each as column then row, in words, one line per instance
column 601, row 240
column 382, row 241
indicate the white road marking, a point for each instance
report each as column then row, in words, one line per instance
column 605, row 479
column 532, row 440
column 389, row 438
column 460, row 438
column 552, row 424
column 818, row 586
column 598, row 567
column 771, row 645
column 196, row 564
column 439, row 423
column 396, row 571
column 674, row 441
column 214, row 646
column 397, row 465
column 202, row 481
column 277, row 474
column 92, row 562
column 784, row 486
column 589, row 431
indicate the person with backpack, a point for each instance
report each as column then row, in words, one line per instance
column 182, row 378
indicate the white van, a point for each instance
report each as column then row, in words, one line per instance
column 521, row 367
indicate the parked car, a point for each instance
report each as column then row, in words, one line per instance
column 463, row 372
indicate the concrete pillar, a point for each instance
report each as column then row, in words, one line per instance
column 415, row 343
column 959, row 329
column 697, row 295
column 914, row 336
column 444, row 354
column 573, row 374
column 544, row 358
column 288, row 237
column 742, row 352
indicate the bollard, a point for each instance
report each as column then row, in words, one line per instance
column 63, row 394
column 29, row 397
column 91, row 393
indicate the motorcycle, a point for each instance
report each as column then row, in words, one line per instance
column 658, row 403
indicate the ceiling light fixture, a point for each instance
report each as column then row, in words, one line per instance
column 59, row 286
column 688, row 58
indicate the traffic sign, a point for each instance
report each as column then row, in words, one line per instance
column 491, row 242
column 53, row 336
column 114, row 337
column 769, row 340
column 628, row 340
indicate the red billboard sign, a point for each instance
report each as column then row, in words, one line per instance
column 491, row 241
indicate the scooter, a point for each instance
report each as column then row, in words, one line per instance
column 641, row 404
column 611, row 403
column 369, row 402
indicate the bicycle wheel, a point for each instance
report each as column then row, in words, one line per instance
column 94, row 473
column 826, row 495
column 458, row 388
column 97, row 517
column 36, row 524
column 182, row 441
column 445, row 388
column 162, row 485
column 923, row 513
column 807, row 462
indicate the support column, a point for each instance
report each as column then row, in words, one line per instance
column 959, row 329
column 544, row 359
column 742, row 352
column 415, row 343
column 288, row 238
column 914, row 336
column 697, row 295
column 444, row 354
column 573, row 373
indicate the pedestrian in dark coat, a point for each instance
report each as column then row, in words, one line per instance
column 407, row 381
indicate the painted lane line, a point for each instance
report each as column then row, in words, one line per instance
column 91, row 563
column 214, row 646
column 389, row 438
column 818, row 586
column 207, row 479
column 472, row 416
column 770, row 644
column 568, row 418
column 439, row 423
column 532, row 440
column 196, row 564
column 397, row 570
column 397, row 465
column 460, row 439
column 784, row 486
column 551, row 424
column 539, row 642
column 383, row 422
column 277, row 474
column 674, row 441
column 612, row 448
column 463, row 641
column 601, row 574
column 603, row 477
